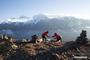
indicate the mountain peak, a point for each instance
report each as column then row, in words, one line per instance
column 40, row 17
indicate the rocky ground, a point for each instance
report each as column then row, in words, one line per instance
column 40, row 51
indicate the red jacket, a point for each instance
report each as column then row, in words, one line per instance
column 57, row 36
column 45, row 34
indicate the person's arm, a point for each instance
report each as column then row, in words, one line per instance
column 53, row 36
column 47, row 34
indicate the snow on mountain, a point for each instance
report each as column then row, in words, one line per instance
column 36, row 18
column 18, row 19
column 25, row 19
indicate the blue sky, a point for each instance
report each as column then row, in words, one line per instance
column 16, row 8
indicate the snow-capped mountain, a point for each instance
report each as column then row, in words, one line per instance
column 25, row 19
column 14, row 19
column 36, row 18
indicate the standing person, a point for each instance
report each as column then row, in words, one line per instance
column 45, row 35
column 57, row 37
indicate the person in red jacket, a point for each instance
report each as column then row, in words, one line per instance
column 57, row 37
column 44, row 35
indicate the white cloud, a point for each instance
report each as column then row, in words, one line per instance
column 81, row 16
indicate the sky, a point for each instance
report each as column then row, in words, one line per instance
column 51, row 8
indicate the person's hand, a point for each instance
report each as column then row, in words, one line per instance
column 48, row 36
column 53, row 36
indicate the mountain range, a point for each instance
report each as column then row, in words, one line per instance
column 25, row 27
